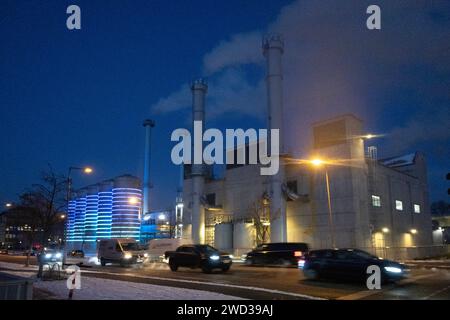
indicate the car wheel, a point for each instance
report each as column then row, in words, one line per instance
column 311, row 274
column 206, row 269
column 225, row 269
column 102, row 262
column 173, row 267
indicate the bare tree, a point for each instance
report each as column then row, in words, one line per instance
column 259, row 213
column 42, row 206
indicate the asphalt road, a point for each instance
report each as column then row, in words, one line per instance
column 272, row 282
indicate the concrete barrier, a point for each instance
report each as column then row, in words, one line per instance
column 15, row 288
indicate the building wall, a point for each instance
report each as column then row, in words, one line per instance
column 353, row 180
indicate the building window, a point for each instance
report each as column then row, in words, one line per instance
column 399, row 205
column 376, row 201
column 211, row 199
column 416, row 208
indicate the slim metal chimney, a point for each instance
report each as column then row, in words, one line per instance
column 273, row 47
column 199, row 89
column 148, row 124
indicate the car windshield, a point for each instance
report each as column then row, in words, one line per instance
column 363, row 254
column 130, row 246
column 207, row 249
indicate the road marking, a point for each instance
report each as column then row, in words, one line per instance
column 436, row 293
column 292, row 294
column 367, row 293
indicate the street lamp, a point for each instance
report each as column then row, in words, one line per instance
column 8, row 205
column 321, row 163
column 133, row 200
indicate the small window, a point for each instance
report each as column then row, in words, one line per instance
column 211, row 199
column 292, row 185
column 376, row 201
column 399, row 205
column 416, row 208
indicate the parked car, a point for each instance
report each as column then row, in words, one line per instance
column 158, row 247
column 3, row 251
column 349, row 264
column 123, row 251
column 198, row 256
column 76, row 254
column 288, row 253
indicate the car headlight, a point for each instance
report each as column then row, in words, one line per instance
column 145, row 255
column 231, row 256
column 214, row 258
column 48, row 255
column 128, row 256
column 393, row 269
column 58, row 255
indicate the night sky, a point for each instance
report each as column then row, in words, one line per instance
column 75, row 98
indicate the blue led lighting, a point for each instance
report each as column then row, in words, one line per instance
column 107, row 214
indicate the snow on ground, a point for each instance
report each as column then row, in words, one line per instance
column 106, row 289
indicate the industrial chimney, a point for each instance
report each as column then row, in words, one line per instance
column 199, row 89
column 273, row 47
column 148, row 124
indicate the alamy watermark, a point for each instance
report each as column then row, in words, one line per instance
column 237, row 151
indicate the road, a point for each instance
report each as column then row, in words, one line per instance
column 272, row 282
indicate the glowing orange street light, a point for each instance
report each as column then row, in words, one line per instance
column 317, row 162
column 88, row 170
column 133, row 200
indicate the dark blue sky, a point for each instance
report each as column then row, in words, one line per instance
column 79, row 97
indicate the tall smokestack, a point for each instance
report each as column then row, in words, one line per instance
column 199, row 89
column 148, row 124
column 273, row 47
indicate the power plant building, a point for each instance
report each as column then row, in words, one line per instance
column 352, row 199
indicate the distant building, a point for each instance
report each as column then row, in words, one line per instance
column 15, row 231
column 157, row 225
column 109, row 209
column 377, row 205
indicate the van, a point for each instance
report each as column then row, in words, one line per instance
column 122, row 251
column 158, row 247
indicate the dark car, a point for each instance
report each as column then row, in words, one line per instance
column 76, row 254
column 198, row 256
column 348, row 264
column 277, row 253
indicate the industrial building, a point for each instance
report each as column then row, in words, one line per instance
column 348, row 198
column 109, row 209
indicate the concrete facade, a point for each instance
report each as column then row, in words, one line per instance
column 363, row 197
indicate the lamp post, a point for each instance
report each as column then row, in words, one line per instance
column 321, row 163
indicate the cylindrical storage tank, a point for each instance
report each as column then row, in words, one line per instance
column 80, row 212
column 126, row 208
column 223, row 236
column 243, row 237
column 90, row 221
column 104, row 218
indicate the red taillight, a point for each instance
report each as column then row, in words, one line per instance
column 298, row 253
